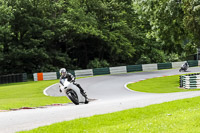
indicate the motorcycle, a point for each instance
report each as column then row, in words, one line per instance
column 184, row 68
column 72, row 92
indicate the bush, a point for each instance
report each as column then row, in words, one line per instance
column 96, row 63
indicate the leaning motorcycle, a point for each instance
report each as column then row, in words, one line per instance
column 183, row 68
column 72, row 92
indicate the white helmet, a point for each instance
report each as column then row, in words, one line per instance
column 63, row 71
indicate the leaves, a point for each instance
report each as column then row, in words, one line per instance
column 44, row 35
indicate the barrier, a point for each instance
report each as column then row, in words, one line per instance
column 191, row 81
column 133, row 68
column 83, row 73
column 44, row 76
column 116, row 70
column 149, row 67
column 35, row 77
column 193, row 63
column 177, row 64
column 101, row 71
column 181, row 81
column 13, row 78
column 164, row 66
column 49, row 76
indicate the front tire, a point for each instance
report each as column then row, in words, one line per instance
column 73, row 96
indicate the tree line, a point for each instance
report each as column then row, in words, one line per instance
column 45, row 35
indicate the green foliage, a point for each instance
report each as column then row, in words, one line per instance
column 172, row 22
column 191, row 19
column 43, row 35
column 165, row 19
column 96, row 63
column 173, row 57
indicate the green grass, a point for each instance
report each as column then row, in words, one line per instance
column 180, row 116
column 166, row 84
column 27, row 94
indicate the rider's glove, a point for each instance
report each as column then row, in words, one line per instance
column 73, row 80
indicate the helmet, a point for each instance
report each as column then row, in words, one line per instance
column 63, row 71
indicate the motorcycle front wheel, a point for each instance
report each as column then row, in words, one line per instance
column 73, row 96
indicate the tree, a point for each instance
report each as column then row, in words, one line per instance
column 191, row 20
column 6, row 15
column 44, row 35
column 165, row 19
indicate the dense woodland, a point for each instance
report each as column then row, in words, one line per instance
column 45, row 35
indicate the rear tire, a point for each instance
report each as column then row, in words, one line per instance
column 73, row 96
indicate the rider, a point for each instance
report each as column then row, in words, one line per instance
column 64, row 74
column 185, row 65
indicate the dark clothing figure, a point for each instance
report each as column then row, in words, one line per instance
column 69, row 77
column 185, row 66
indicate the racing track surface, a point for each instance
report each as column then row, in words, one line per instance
column 111, row 96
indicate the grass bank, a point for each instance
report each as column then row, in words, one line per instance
column 27, row 94
column 180, row 116
column 166, row 84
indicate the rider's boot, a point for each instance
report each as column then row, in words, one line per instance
column 83, row 93
column 86, row 101
column 81, row 90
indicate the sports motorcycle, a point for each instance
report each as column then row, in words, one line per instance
column 184, row 68
column 72, row 92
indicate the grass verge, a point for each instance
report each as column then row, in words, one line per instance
column 166, row 84
column 180, row 116
column 27, row 94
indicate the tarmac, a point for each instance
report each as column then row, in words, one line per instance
column 107, row 93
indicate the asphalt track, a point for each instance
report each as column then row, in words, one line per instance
column 111, row 95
